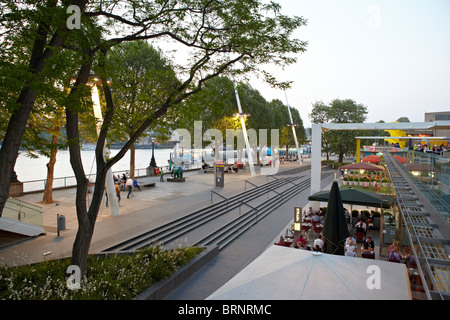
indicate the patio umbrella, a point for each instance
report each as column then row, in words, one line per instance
column 371, row 159
column 400, row 159
column 282, row 273
column 362, row 166
column 356, row 197
column 335, row 229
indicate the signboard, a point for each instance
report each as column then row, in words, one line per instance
column 219, row 173
column 297, row 222
column 297, row 218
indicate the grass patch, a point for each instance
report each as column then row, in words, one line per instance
column 110, row 277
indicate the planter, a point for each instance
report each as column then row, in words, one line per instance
column 163, row 288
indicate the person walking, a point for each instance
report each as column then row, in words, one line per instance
column 129, row 187
column 135, row 184
column 117, row 190
column 161, row 172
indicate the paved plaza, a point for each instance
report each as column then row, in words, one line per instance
column 153, row 206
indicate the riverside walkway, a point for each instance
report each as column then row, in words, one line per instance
column 157, row 205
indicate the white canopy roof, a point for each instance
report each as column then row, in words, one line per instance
column 283, row 273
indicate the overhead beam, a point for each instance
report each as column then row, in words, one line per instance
column 316, row 139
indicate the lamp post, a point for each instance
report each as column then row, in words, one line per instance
column 244, row 130
column 152, row 161
column 293, row 130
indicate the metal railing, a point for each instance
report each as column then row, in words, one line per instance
column 70, row 181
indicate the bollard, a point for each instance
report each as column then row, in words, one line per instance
column 61, row 223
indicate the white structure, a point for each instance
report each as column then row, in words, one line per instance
column 316, row 139
column 282, row 273
column 244, row 130
column 293, row 130
column 109, row 180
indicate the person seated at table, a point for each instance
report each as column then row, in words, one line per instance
column 410, row 258
column 366, row 249
column 301, row 242
column 350, row 249
column 350, row 238
column 316, row 219
column 371, row 216
column 393, row 246
column 307, row 214
column 370, row 242
column 319, row 243
column 320, row 212
column 395, row 255
column 361, row 226
column 347, row 215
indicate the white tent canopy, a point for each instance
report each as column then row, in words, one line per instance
column 283, row 273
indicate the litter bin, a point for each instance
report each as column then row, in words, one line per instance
column 61, row 223
column 156, row 171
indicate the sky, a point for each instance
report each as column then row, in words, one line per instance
column 392, row 56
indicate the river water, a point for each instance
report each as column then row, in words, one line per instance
column 30, row 169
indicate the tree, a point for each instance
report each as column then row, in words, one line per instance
column 403, row 119
column 141, row 79
column 339, row 111
column 219, row 34
column 39, row 28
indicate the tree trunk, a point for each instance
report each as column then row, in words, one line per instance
column 11, row 141
column 86, row 220
column 48, row 192
column 83, row 238
column 42, row 51
column 132, row 160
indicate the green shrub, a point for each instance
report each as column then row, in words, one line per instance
column 110, row 277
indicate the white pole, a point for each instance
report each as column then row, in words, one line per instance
column 244, row 130
column 293, row 130
column 316, row 150
column 113, row 202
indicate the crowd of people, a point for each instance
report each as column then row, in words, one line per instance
column 366, row 249
column 124, row 183
column 439, row 150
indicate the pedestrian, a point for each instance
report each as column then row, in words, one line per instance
column 135, row 184
column 124, row 181
column 129, row 184
column 161, row 178
column 117, row 190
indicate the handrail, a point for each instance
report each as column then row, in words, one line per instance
column 245, row 185
column 214, row 192
column 256, row 210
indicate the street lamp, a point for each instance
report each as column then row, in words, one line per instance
column 242, row 116
column 293, row 130
column 152, row 161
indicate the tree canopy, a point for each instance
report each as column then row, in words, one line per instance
column 339, row 111
column 213, row 37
